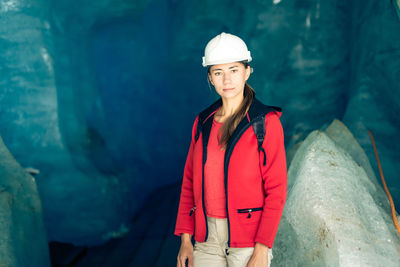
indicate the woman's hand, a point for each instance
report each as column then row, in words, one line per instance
column 259, row 257
column 186, row 251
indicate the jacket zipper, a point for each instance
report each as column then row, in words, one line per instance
column 249, row 211
column 228, row 155
column 191, row 211
column 202, row 197
column 205, row 143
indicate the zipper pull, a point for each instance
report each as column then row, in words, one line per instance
column 226, row 252
column 249, row 216
column 265, row 155
column 191, row 211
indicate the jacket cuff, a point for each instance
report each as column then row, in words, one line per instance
column 179, row 232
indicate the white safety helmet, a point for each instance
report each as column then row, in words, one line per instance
column 225, row 48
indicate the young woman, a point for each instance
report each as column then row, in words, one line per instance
column 234, row 183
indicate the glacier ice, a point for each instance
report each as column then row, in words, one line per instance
column 93, row 93
column 47, row 118
column 397, row 4
column 22, row 234
column 336, row 213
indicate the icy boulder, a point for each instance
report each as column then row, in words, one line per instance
column 22, row 234
column 342, row 136
column 335, row 214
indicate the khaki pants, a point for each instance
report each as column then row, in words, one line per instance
column 212, row 253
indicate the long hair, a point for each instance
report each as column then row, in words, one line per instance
column 230, row 124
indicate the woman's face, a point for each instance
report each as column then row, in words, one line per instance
column 229, row 79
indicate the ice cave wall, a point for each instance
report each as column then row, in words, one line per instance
column 94, row 93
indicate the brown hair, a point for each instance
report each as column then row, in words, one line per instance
column 232, row 122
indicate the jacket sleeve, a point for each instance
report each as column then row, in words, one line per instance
column 184, row 222
column 274, row 175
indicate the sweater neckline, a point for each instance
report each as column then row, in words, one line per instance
column 214, row 120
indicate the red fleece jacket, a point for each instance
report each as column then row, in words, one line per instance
column 256, row 193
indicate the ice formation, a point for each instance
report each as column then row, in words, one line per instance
column 336, row 213
column 22, row 235
column 100, row 95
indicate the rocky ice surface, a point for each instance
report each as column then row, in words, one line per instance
column 23, row 239
column 336, row 213
column 100, row 95
column 44, row 119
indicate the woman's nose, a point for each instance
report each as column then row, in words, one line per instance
column 227, row 77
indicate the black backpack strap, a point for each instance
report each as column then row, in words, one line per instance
column 259, row 130
column 257, row 113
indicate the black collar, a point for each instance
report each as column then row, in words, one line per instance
column 256, row 109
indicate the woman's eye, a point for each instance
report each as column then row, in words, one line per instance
column 217, row 73
column 234, row 71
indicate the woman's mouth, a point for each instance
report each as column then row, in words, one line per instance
column 227, row 89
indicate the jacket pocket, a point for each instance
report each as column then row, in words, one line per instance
column 249, row 211
column 192, row 211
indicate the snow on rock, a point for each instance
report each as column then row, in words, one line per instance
column 22, row 234
column 342, row 136
column 339, row 133
column 332, row 216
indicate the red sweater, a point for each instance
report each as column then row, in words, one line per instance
column 255, row 193
column 214, row 176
